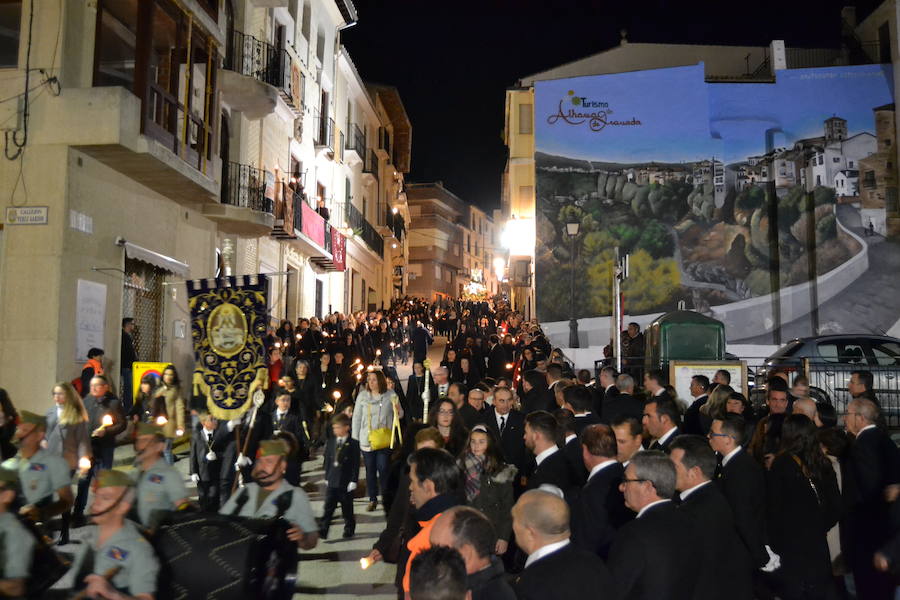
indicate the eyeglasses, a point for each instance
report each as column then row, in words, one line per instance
column 714, row 434
column 633, row 480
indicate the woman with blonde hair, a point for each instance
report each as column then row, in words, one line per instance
column 68, row 431
column 715, row 407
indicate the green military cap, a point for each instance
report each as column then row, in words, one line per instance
column 113, row 478
column 33, row 418
column 149, row 429
column 272, row 448
column 8, row 477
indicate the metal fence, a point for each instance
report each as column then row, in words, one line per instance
column 245, row 186
column 366, row 230
column 255, row 58
column 142, row 301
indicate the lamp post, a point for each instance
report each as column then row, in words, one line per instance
column 572, row 227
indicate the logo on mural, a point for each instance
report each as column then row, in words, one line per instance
column 580, row 110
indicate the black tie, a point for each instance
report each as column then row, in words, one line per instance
column 502, row 424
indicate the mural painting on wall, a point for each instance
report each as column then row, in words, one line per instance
column 722, row 193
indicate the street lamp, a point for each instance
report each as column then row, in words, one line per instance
column 572, row 226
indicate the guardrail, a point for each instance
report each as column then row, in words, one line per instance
column 245, row 186
column 366, row 230
column 260, row 60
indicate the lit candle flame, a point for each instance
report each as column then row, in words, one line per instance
column 106, row 421
column 378, row 353
column 84, row 464
column 161, row 420
column 509, row 366
column 335, row 394
column 364, row 563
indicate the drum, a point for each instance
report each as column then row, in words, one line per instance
column 222, row 558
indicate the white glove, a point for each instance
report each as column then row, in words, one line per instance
column 211, row 455
column 232, row 424
column 774, row 561
column 243, row 461
column 195, row 478
column 351, row 486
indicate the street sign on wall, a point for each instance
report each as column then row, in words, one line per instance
column 26, row 215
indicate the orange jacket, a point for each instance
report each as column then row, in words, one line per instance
column 94, row 364
column 419, row 543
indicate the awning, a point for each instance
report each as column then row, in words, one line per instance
column 167, row 263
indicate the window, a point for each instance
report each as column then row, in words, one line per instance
column 10, row 31
column 320, row 47
column 850, row 164
column 305, row 22
column 437, row 272
column 821, row 159
column 886, row 353
column 526, row 119
column 836, row 159
column 869, row 179
column 117, row 44
column 842, row 351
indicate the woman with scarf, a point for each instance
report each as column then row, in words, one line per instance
column 489, row 483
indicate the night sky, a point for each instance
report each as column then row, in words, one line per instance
column 452, row 61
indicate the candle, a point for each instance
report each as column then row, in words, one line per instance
column 509, row 366
column 84, row 464
column 106, row 421
column 161, row 420
column 364, row 563
column 299, row 337
column 336, row 394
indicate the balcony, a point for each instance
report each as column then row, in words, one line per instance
column 246, row 208
column 270, row 3
column 396, row 224
column 370, row 168
column 323, row 129
column 365, row 230
column 256, row 74
column 356, row 146
column 146, row 141
column 287, row 212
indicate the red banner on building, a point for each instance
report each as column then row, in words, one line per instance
column 313, row 226
column 338, row 249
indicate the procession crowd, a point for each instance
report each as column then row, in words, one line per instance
column 502, row 472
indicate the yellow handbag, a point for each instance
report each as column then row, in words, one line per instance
column 380, row 438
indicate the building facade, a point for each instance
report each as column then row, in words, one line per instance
column 187, row 139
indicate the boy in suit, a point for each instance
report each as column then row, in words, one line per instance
column 207, row 452
column 286, row 424
column 341, row 474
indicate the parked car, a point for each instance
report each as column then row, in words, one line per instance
column 833, row 358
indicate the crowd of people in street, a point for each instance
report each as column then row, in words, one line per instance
column 501, row 470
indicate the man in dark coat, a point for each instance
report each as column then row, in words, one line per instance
column 700, row 393
column 742, row 481
column 661, row 420
column 578, row 399
column 600, row 508
column 537, row 395
column 604, row 388
column 570, row 446
column 420, row 339
column 875, row 465
column 471, row 533
column 550, row 464
column 341, row 475
column 555, row 568
column 508, row 426
column 653, row 556
column 723, row 561
column 497, row 359
column 622, row 403
column 208, row 466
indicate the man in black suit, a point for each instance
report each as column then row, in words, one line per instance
column 604, row 388
column 723, row 561
column 622, row 403
column 208, row 453
column 420, row 339
column 600, row 508
column 578, row 400
column 537, row 396
column 341, row 474
column 742, row 481
column 570, row 446
column 551, row 466
column 474, row 410
column 285, row 424
column 655, row 384
column 497, row 359
column 652, row 556
column 629, row 438
column 875, row 465
column 555, row 568
column 661, row 420
column 472, row 534
column 700, row 393
column 508, row 426
column 415, row 387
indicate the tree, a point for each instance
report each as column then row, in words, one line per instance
column 656, row 240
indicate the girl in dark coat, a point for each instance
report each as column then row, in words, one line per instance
column 489, row 483
column 444, row 416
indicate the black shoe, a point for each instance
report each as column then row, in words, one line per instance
column 348, row 534
column 372, row 506
column 78, row 520
column 323, row 533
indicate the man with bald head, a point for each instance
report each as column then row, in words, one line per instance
column 555, row 568
column 807, row 406
column 468, row 531
column 875, row 464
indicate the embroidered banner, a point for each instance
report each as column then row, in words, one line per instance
column 338, row 249
column 228, row 323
